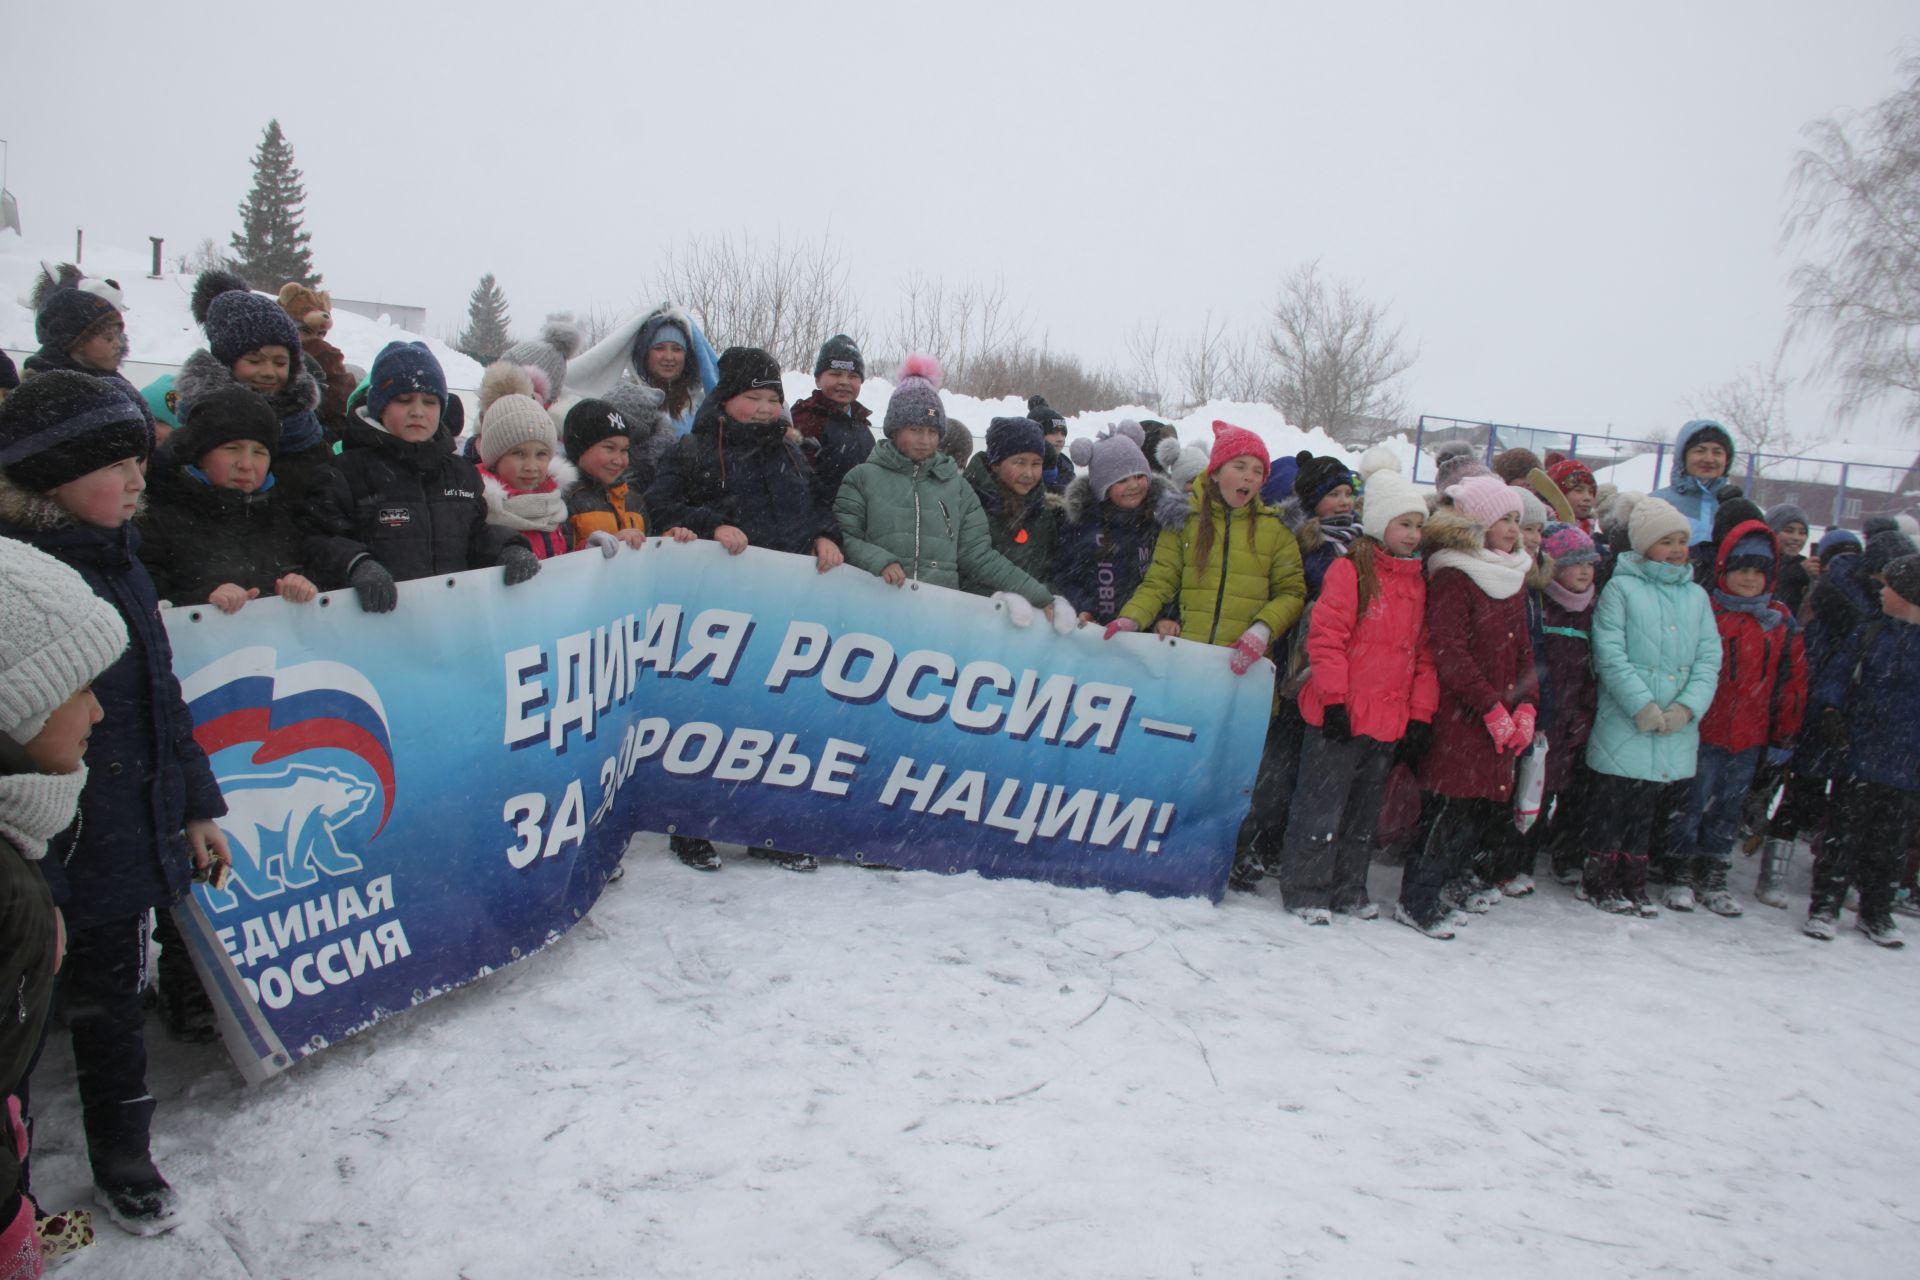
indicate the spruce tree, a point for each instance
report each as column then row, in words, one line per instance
column 487, row 321
column 271, row 248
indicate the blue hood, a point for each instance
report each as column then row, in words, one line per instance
column 1683, row 440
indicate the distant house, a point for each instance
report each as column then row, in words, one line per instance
column 1838, row 482
column 413, row 319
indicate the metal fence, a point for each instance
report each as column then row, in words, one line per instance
column 1833, row 491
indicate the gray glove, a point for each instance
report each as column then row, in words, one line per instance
column 608, row 544
column 1650, row 719
column 1675, row 718
column 374, row 585
column 520, row 564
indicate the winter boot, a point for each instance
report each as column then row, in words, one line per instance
column 1314, row 915
column 1246, row 874
column 1714, row 894
column 1600, row 879
column 1905, row 902
column 1823, row 922
column 1518, row 887
column 1882, row 930
column 1775, row 857
column 186, row 1010
column 696, row 853
column 143, row 1205
column 1358, row 910
column 788, row 861
column 1437, row 927
column 1679, row 897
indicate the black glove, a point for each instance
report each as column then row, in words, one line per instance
column 1336, row 727
column 1414, row 743
column 374, row 585
column 520, row 564
column 1833, row 729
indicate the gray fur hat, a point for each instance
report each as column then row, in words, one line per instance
column 545, row 357
column 1116, row 454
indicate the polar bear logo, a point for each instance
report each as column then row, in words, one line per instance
column 282, row 829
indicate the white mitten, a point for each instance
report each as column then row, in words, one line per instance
column 1065, row 620
column 1019, row 612
column 608, row 544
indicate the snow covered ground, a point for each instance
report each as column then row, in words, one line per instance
column 859, row 1074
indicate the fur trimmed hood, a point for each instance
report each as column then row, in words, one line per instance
column 203, row 375
column 1541, row 574
column 1168, row 508
column 22, row 506
column 541, row 510
column 1448, row 530
column 1305, row 528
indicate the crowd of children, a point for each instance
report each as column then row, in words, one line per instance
column 1661, row 679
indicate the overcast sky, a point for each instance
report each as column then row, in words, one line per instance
column 1574, row 210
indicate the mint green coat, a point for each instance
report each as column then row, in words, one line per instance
column 1654, row 640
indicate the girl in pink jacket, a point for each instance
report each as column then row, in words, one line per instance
column 1370, row 697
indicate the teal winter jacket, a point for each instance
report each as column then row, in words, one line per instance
column 1654, row 640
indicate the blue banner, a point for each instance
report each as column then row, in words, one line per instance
column 418, row 798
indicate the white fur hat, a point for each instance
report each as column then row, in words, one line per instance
column 1385, row 497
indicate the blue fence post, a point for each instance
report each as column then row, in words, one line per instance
column 1840, row 497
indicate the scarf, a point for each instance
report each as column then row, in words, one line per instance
column 1759, row 608
column 1571, row 601
column 201, row 476
column 1341, row 530
column 540, row 511
column 36, row 807
column 1499, row 574
column 301, row 431
column 1708, row 493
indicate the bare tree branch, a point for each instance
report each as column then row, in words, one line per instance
column 1336, row 359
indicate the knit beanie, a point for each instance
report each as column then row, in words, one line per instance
column 839, row 352
column 1903, row 575
column 915, row 401
column 1733, row 513
column 1010, row 437
column 1753, row 551
column 1388, row 497
column 1884, row 548
column 546, row 356
column 1453, row 462
column 1652, row 520
column 162, row 400
column 1786, row 513
column 225, row 416
column 61, row 424
column 744, row 369
column 308, row 308
column 1049, row 418
column 1230, row 442
column 512, row 421
column 238, row 320
column 1878, row 524
column 1512, row 465
column 1317, row 477
column 403, row 367
column 668, row 332
column 1484, row 500
column 56, row 637
column 1532, row 511
column 588, row 423
column 1111, row 457
column 66, row 315
column 1571, row 473
column 1568, row 544
column 1837, row 542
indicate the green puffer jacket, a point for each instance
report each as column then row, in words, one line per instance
column 926, row 518
column 1240, row 586
column 1655, row 640
column 1027, row 539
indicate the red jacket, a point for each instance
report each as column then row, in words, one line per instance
column 1762, row 696
column 1483, row 656
column 1380, row 666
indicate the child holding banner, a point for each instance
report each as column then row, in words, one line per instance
column 736, row 479
column 399, row 503
column 523, row 479
column 1116, row 510
column 909, row 516
column 72, row 482
column 217, row 529
column 1234, row 569
column 1023, row 518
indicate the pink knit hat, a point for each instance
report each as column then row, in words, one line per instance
column 1484, row 499
column 1230, row 442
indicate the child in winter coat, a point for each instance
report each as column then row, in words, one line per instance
column 253, row 345
column 1865, row 709
column 909, row 516
column 598, row 444
column 1023, row 517
column 1372, row 685
column 1656, row 650
column 1234, row 570
column 1789, row 524
column 398, row 503
column 70, row 486
column 525, row 483
column 737, row 480
column 216, row 529
column 1321, row 514
column 1056, row 472
column 1575, row 480
column 1761, row 698
column 56, row 638
column 1570, row 694
column 1477, row 623
column 832, row 422
column 1115, row 511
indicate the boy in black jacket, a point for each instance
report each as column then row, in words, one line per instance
column 217, row 530
column 399, row 503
